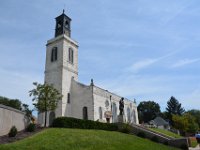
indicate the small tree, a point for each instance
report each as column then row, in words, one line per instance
column 46, row 98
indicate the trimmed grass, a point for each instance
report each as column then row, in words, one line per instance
column 77, row 139
column 166, row 132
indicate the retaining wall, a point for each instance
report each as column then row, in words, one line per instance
column 180, row 143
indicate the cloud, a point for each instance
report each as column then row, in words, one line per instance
column 184, row 62
column 142, row 64
column 137, row 66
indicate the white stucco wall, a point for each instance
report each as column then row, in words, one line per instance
column 101, row 96
column 81, row 96
column 11, row 117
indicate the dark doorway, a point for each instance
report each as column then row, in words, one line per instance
column 108, row 120
column 51, row 117
column 85, row 113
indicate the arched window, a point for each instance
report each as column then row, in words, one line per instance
column 85, row 113
column 100, row 113
column 68, row 98
column 71, row 55
column 54, row 54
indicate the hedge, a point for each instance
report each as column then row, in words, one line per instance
column 67, row 122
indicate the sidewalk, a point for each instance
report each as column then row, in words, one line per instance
column 196, row 148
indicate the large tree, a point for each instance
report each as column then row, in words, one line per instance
column 174, row 108
column 148, row 110
column 45, row 98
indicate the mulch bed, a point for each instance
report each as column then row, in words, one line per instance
column 20, row 135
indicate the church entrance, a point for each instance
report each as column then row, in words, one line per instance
column 51, row 117
column 108, row 120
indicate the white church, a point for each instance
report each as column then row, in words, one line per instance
column 79, row 101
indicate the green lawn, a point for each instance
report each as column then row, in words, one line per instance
column 168, row 133
column 77, row 139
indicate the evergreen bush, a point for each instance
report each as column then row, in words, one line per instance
column 31, row 127
column 13, row 132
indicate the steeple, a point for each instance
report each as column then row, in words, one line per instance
column 63, row 25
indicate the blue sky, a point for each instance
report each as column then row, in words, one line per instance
column 142, row 49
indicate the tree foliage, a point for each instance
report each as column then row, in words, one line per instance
column 14, row 103
column 196, row 114
column 148, row 110
column 27, row 111
column 45, row 98
column 174, row 108
column 185, row 123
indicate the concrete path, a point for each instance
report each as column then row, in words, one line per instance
column 196, row 148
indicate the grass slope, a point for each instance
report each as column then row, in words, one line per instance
column 168, row 133
column 77, row 139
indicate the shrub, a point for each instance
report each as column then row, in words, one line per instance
column 141, row 134
column 125, row 128
column 31, row 127
column 155, row 139
column 13, row 132
column 67, row 122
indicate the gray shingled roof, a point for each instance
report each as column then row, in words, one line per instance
column 159, row 121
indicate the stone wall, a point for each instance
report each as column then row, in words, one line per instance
column 11, row 117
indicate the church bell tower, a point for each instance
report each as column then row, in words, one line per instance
column 63, row 25
column 61, row 64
